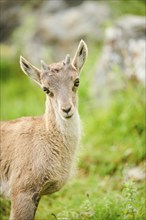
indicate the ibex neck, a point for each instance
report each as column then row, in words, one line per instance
column 49, row 113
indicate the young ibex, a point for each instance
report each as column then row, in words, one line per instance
column 37, row 153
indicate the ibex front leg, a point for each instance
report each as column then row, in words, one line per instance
column 23, row 206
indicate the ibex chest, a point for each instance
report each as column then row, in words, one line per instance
column 57, row 167
column 55, row 159
column 54, row 176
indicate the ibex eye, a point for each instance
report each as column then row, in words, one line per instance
column 76, row 83
column 45, row 89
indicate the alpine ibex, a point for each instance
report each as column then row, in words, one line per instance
column 37, row 153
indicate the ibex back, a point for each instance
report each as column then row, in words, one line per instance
column 37, row 153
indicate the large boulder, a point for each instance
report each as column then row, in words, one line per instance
column 123, row 56
column 59, row 32
column 74, row 23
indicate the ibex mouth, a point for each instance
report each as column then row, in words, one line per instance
column 68, row 116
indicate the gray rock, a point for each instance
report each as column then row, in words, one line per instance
column 123, row 56
column 59, row 32
column 132, row 26
column 74, row 23
column 51, row 28
column 54, row 6
column 135, row 173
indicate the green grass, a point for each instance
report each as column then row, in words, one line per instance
column 127, row 7
column 113, row 141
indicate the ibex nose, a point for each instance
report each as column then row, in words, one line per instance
column 66, row 110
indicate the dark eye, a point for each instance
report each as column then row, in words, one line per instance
column 76, row 83
column 45, row 89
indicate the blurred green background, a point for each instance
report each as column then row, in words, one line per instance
column 110, row 179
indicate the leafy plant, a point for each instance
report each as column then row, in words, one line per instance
column 129, row 202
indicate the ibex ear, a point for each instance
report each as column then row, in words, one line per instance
column 80, row 55
column 30, row 70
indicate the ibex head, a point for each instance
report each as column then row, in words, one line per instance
column 59, row 80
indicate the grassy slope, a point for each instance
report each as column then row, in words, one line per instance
column 113, row 141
